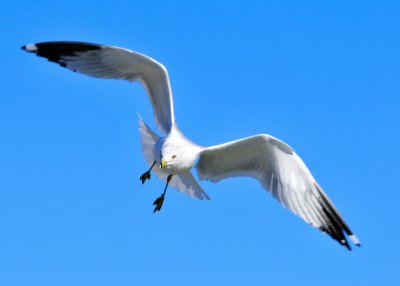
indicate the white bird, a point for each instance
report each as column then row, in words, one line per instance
column 272, row 162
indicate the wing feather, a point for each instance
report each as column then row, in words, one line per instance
column 115, row 63
column 281, row 171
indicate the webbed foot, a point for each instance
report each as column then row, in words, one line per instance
column 158, row 203
column 145, row 176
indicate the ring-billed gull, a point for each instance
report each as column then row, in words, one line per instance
column 272, row 162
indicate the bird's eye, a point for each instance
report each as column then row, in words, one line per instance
column 173, row 156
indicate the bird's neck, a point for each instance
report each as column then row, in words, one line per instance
column 176, row 137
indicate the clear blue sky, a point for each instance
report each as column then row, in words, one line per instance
column 324, row 76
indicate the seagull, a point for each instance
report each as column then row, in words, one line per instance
column 263, row 157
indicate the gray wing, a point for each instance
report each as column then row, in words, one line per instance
column 115, row 63
column 278, row 168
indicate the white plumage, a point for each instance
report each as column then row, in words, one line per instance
column 272, row 162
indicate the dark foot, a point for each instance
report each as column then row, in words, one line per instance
column 158, row 203
column 145, row 176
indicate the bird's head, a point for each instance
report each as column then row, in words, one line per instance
column 170, row 156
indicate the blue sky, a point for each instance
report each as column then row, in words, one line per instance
column 321, row 75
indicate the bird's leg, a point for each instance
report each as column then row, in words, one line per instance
column 159, row 201
column 146, row 175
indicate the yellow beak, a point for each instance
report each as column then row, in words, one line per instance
column 163, row 163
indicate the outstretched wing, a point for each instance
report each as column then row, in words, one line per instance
column 115, row 63
column 283, row 173
column 184, row 182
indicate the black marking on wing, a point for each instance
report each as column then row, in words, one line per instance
column 54, row 51
column 335, row 225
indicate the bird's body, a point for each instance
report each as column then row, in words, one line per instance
column 176, row 144
column 272, row 162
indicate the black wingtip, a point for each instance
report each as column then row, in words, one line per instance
column 335, row 225
column 56, row 51
column 25, row 48
column 345, row 243
column 31, row 48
